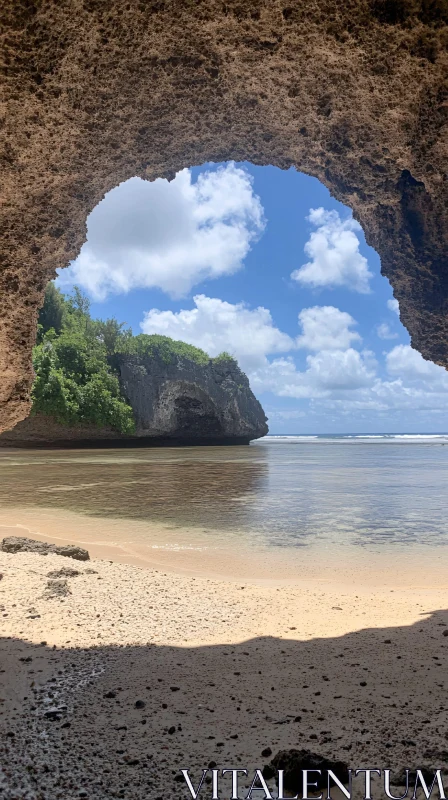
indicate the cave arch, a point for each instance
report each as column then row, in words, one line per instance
column 98, row 91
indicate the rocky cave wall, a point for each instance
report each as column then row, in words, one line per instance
column 96, row 91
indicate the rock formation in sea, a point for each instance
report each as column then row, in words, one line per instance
column 182, row 402
column 97, row 92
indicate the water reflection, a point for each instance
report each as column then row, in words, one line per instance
column 271, row 495
column 190, row 486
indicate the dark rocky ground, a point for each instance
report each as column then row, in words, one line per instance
column 108, row 692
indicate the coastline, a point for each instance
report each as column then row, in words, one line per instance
column 187, row 552
column 245, row 660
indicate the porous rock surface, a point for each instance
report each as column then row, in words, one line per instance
column 19, row 544
column 178, row 402
column 41, row 429
column 191, row 401
column 97, row 91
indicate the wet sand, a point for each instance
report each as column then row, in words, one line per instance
column 219, row 669
column 185, row 551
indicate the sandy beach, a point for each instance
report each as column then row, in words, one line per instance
column 115, row 678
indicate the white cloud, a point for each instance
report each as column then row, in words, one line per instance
column 393, row 306
column 168, row 235
column 250, row 334
column 282, row 377
column 416, row 386
column 326, row 328
column 348, row 382
column 214, row 325
column 336, row 377
column 334, row 254
column 384, row 332
column 342, row 369
column 326, row 373
column 291, row 414
column 406, row 362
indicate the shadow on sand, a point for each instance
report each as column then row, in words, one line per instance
column 122, row 721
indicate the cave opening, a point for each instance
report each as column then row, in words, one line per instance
column 263, row 265
column 84, row 117
column 321, row 540
column 266, row 266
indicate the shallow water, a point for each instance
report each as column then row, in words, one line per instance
column 286, row 497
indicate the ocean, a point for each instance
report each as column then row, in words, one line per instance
column 289, row 505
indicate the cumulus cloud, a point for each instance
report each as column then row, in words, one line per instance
column 346, row 380
column 250, row 334
column 169, row 235
column 406, row 362
column 393, row 306
column 415, row 385
column 215, row 325
column 328, row 373
column 384, row 332
column 326, row 328
column 252, row 337
column 333, row 249
column 335, row 375
column 281, row 377
column 342, row 369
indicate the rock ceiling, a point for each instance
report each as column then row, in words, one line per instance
column 96, row 91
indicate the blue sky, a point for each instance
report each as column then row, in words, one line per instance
column 267, row 265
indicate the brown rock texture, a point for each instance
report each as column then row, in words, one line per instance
column 97, row 91
column 40, row 430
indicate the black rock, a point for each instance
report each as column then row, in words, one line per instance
column 268, row 772
column 53, row 714
column 294, row 761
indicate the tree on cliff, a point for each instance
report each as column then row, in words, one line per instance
column 112, row 334
column 74, row 382
column 52, row 311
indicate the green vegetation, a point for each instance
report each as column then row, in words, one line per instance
column 52, row 311
column 74, row 382
column 74, row 362
column 168, row 350
column 225, row 356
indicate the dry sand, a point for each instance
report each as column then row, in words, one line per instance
column 220, row 671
